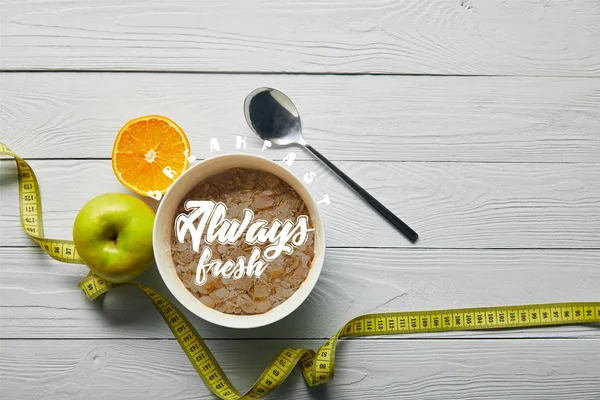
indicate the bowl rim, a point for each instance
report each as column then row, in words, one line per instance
column 164, row 260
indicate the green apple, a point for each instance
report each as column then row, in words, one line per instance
column 113, row 236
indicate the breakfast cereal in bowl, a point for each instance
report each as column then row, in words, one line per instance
column 269, row 199
column 239, row 241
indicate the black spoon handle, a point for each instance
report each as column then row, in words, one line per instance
column 397, row 222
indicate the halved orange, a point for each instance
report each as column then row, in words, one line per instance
column 149, row 153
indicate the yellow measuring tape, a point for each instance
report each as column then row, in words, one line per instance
column 317, row 367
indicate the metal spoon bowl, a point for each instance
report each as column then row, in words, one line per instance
column 274, row 117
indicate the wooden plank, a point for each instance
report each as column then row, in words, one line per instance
column 39, row 297
column 365, row 369
column 451, row 205
column 345, row 117
column 449, row 37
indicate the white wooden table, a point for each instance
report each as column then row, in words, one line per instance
column 476, row 121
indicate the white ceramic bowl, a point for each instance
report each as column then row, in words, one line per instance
column 163, row 231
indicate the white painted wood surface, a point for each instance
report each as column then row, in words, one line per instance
column 40, row 298
column 395, row 118
column 451, row 205
column 366, row 369
column 450, row 37
column 499, row 173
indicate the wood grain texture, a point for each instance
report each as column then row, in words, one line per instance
column 450, row 205
column 425, row 369
column 371, row 118
column 39, row 297
column 500, row 175
column 449, row 37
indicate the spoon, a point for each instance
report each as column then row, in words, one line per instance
column 274, row 117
